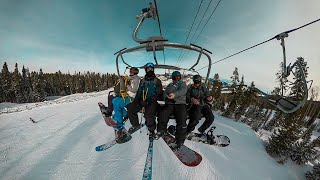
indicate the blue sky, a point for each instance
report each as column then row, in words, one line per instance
column 83, row 35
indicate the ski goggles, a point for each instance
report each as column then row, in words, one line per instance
column 149, row 65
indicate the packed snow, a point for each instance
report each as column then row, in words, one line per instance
column 61, row 145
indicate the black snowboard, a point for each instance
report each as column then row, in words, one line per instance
column 209, row 138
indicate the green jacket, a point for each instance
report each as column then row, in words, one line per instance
column 199, row 93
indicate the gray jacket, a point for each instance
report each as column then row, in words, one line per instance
column 179, row 88
column 134, row 84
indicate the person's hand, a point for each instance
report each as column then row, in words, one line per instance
column 171, row 96
column 195, row 101
column 209, row 98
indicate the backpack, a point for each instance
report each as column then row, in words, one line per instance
column 148, row 89
column 122, row 92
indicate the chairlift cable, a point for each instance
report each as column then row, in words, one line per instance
column 206, row 23
column 208, row 20
column 194, row 19
column 261, row 43
column 205, row 12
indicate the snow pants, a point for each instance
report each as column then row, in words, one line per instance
column 195, row 113
column 149, row 114
column 180, row 113
column 120, row 111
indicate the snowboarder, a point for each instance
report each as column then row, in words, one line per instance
column 175, row 102
column 119, row 102
column 149, row 91
column 132, row 88
column 197, row 96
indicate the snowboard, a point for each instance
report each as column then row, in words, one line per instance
column 107, row 119
column 186, row 155
column 216, row 140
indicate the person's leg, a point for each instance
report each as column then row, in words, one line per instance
column 209, row 118
column 150, row 116
column 133, row 109
column 163, row 118
column 180, row 113
column 194, row 117
column 110, row 105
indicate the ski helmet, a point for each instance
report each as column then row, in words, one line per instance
column 148, row 65
column 176, row 75
column 197, row 79
column 134, row 70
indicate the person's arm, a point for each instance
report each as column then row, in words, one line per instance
column 160, row 91
column 189, row 95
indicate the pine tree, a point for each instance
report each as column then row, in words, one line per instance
column 26, row 85
column 241, row 100
column 17, row 85
column 8, row 93
column 304, row 150
column 38, row 87
column 281, row 141
column 235, row 77
column 1, row 90
column 314, row 174
column 297, row 90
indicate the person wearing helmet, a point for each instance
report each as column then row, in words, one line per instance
column 134, row 81
column 118, row 101
column 175, row 103
column 149, row 91
column 131, row 87
column 197, row 96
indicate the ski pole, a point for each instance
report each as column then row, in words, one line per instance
column 142, row 114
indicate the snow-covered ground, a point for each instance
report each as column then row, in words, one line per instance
column 62, row 146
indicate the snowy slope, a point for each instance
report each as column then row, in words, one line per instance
column 62, row 146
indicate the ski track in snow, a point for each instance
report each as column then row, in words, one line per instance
column 62, row 146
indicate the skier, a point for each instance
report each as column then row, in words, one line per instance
column 197, row 96
column 149, row 91
column 175, row 102
column 132, row 88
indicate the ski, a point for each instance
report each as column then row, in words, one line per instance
column 108, row 145
column 147, row 172
column 209, row 138
column 186, row 155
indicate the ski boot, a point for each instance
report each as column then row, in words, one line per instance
column 152, row 135
column 133, row 129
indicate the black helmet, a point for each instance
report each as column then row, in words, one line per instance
column 134, row 70
column 197, row 79
column 176, row 75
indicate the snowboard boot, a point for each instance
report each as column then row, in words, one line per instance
column 175, row 146
column 122, row 136
column 160, row 134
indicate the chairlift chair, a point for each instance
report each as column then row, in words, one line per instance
column 287, row 103
column 158, row 43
